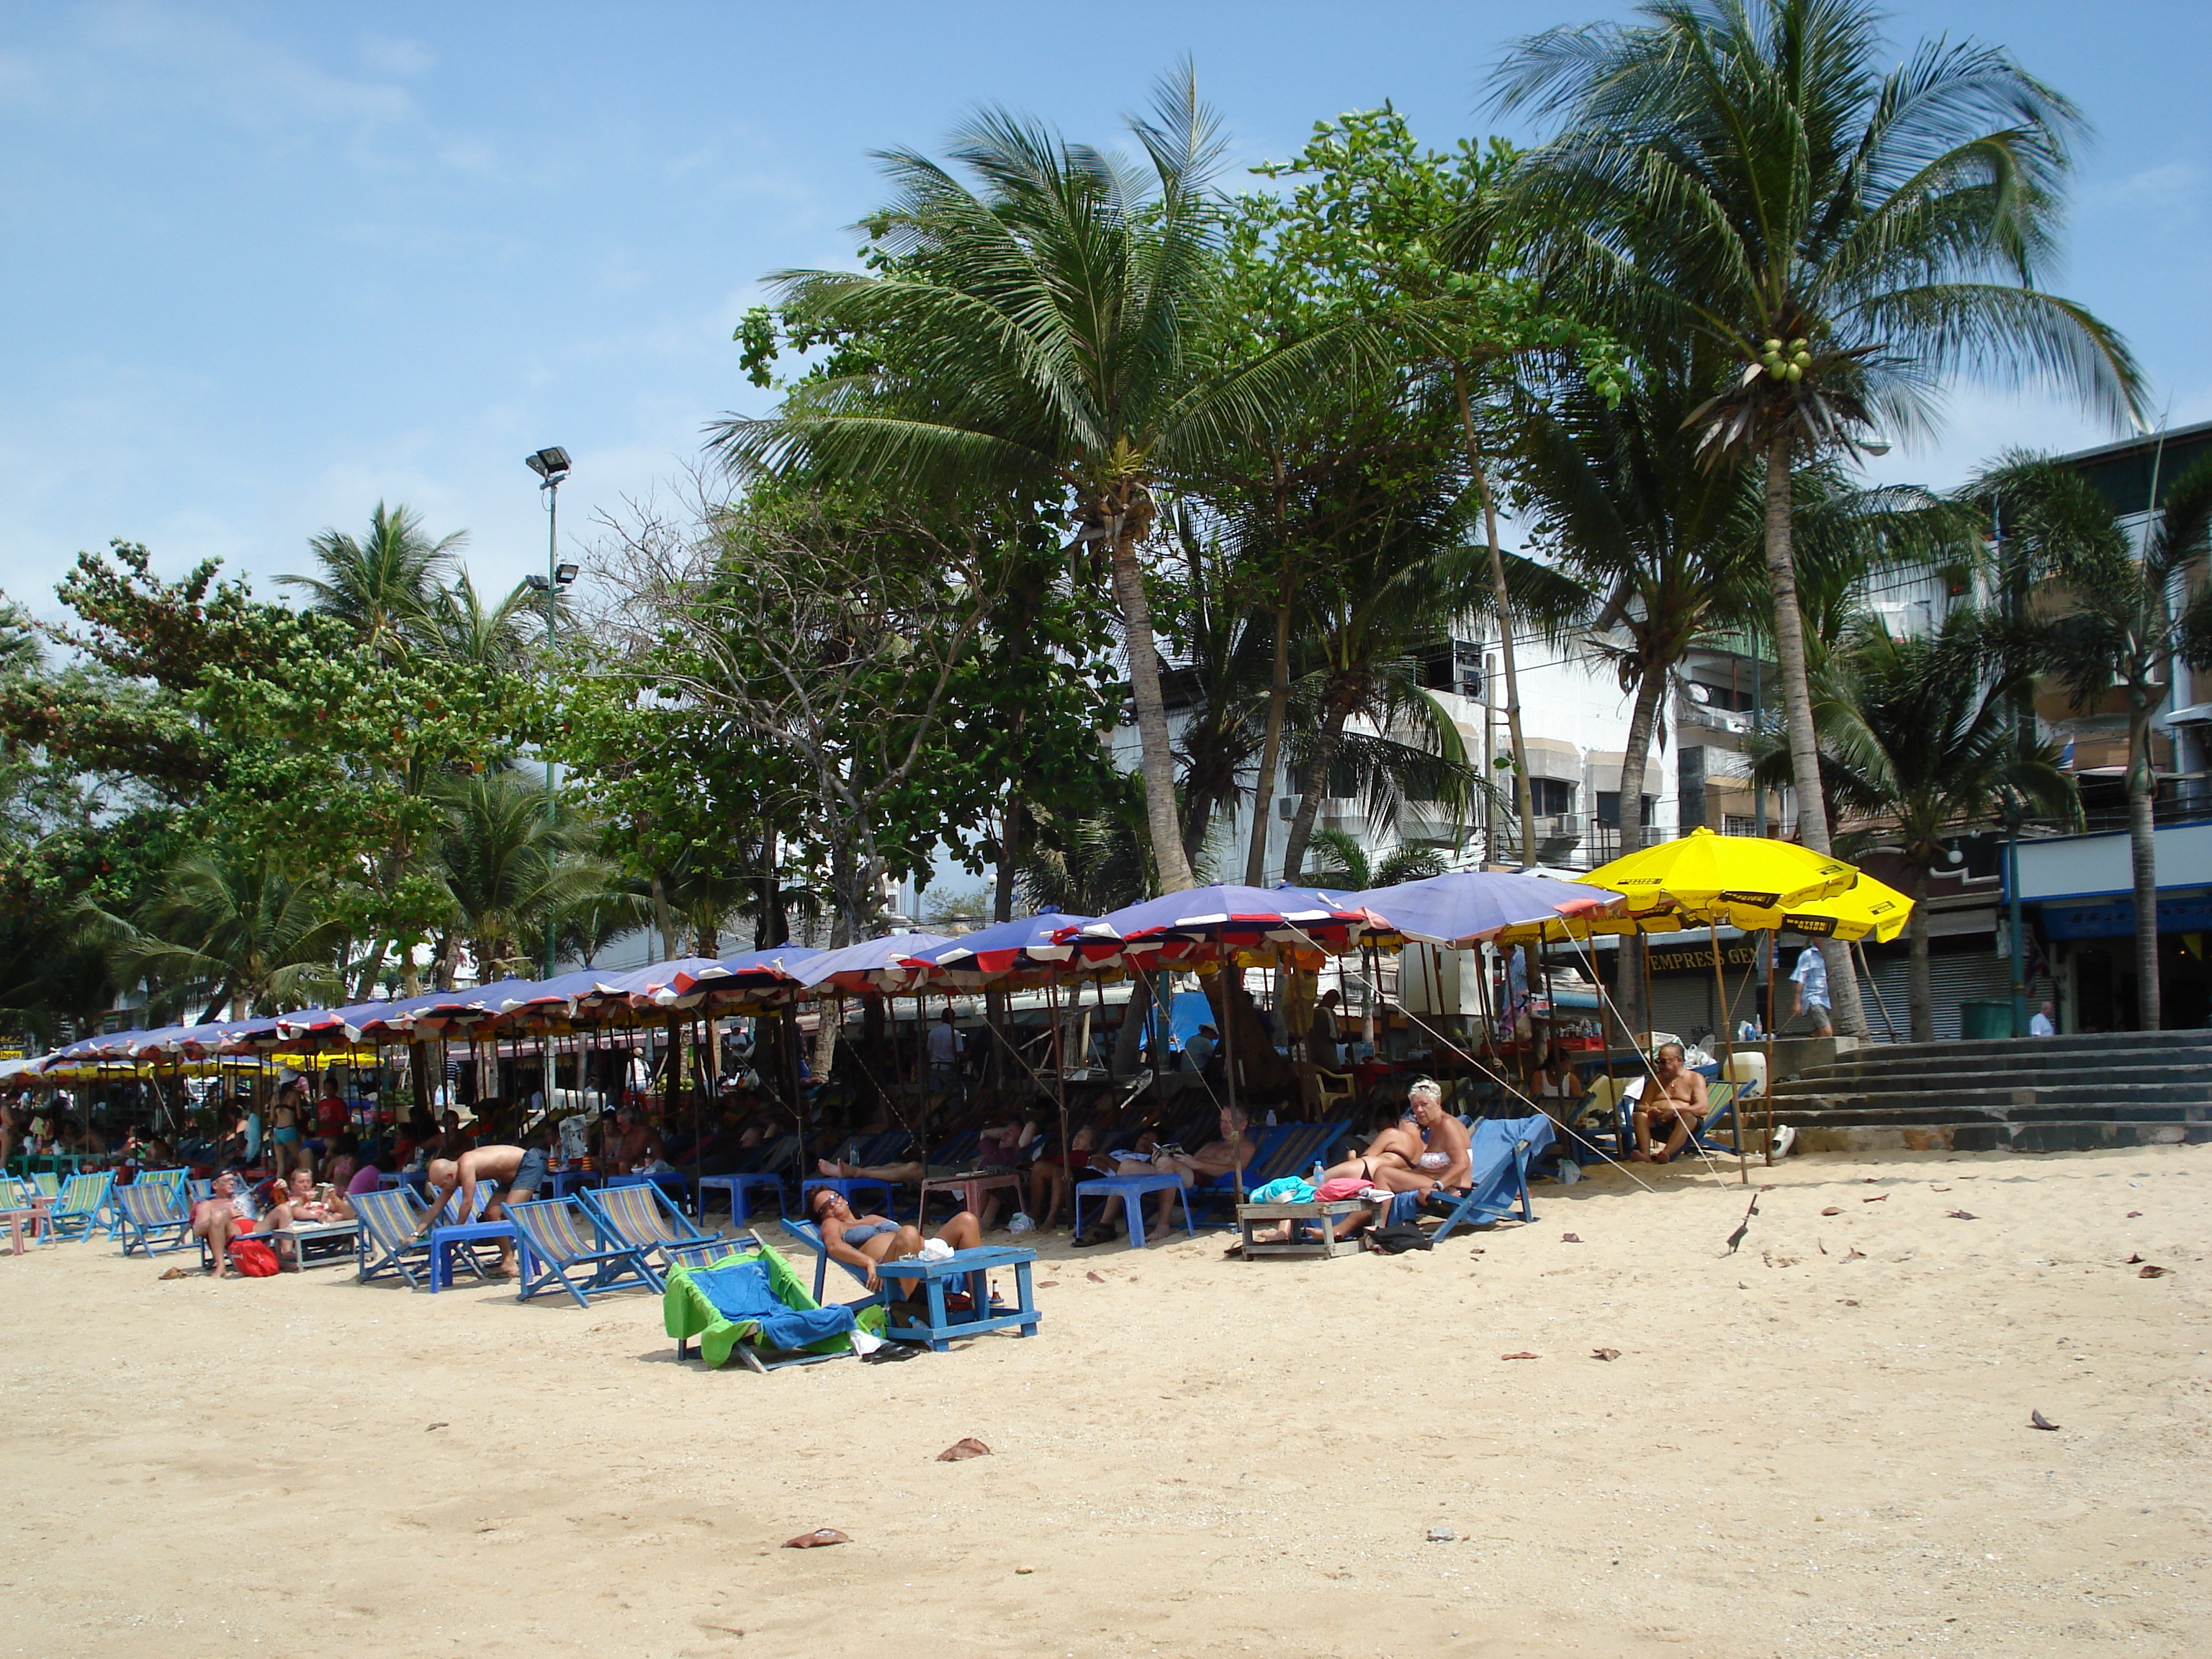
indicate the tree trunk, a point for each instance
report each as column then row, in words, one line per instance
column 1127, row 1053
column 664, row 920
column 2143, row 857
column 373, row 966
column 1502, row 603
column 1919, row 990
column 1271, row 747
column 1797, row 714
column 1331, row 736
column 1643, row 720
column 1010, row 855
column 1157, row 753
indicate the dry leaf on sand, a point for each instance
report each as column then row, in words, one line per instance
column 2037, row 1419
column 1959, row 1215
column 180, row 1273
column 1878, row 1198
column 964, row 1448
column 1096, row 1278
column 1605, row 1354
column 1833, row 1209
column 2149, row 1271
column 1523, row 1354
column 1569, row 1239
column 817, row 1539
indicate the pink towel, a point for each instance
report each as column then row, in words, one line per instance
column 1343, row 1187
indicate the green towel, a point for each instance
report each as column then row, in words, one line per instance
column 689, row 1315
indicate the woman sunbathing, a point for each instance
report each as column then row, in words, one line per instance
column 868, row 1241
column 306, row 1204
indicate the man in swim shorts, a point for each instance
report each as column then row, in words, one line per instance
column 517, row 1176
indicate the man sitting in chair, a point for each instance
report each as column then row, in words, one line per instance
column 1677, row 1099
column 517, row 1174
column 1233, row 1151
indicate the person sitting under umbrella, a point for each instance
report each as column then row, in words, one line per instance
column 1679, row 1100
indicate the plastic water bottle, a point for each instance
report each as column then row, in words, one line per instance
column 1316, row 1177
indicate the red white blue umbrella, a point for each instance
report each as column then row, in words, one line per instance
column 1027, row 950
column 1252, row 925
column 1465, row 905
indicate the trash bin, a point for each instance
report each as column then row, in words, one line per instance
column 1986, row 1016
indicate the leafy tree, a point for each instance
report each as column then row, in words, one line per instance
column 2121, row 611
column 1846, row 240
column 1343, row 863
column 508, row 866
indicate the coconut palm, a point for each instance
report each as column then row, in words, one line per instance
column 387, row 584
column 512, row 870
column 1848, row 240
column 240, row 929
column 1040, row 337
column 460, row 626
column 1338, row 860
column 2125, row 608
column 1918, row 735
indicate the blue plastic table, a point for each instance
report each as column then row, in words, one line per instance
column 443, row 1240
column 1131, row 1190
column 738, row 1186
column 939, row 1325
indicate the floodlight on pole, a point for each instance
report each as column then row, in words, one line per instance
column 551, row 466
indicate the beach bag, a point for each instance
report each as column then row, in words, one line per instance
column 252, row 1258
column 1399, row 1237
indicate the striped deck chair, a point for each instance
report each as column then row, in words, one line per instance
column 563, row 1242
column 14, row 1195
column 641, row 1216
column 1288, row 1149
column 83, row 1207
column 48, row 1183
column 1500, row 1150
column 151, row 1210
column 387, row 1243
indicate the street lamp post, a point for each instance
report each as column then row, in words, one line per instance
column 551, row 466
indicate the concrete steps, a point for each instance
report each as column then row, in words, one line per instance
column 2033, row 1094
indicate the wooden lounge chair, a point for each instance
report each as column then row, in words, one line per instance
column 566, row 1246
column 643, row 1217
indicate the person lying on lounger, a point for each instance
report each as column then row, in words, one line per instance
column 516, row 1175
column 867, row 1242
column 1677, row 1099
column 233, row 1212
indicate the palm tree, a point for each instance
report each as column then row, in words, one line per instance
column 2115, row 627
column 19, row 642
column 1846, row 240
column 462, row 627
column 1918, row 733
column 1343, row 863
column 384, row 585
column 249, row 933
column 511, row 870
column 1040, row 338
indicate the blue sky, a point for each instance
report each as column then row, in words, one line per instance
column 267, row 264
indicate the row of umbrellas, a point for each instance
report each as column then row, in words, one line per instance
column 1701, row 880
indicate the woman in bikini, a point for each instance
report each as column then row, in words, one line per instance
column 867, row 1241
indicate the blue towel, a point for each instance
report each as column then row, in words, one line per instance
column 1290, row 1189
column 740, row 1291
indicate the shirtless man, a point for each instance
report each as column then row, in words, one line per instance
column 516, row 1176
column 1233, row 1151
column 1679, row 1099
column 228, row 1214
column 867, row 1242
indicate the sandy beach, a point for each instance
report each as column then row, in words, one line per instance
column 1820, row 1445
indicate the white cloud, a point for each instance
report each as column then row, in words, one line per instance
column 388, row 55
column 2173, row 188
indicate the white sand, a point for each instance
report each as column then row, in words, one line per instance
column 1796, row 1453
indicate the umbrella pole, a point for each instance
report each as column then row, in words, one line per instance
column 1766, row 1088
column 1867, row 968
column 1728, row 1051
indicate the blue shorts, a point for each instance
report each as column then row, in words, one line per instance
column 530, row 1175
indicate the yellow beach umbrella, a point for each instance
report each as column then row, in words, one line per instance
column 1588, row 924
column 1703, row 871
column 1870, row 909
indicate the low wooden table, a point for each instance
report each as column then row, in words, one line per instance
column 1325, row 1217
column 971, row 1189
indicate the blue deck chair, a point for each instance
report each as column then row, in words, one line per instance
column 1501, row 1149
column 749, row 1302
column 898, row 1324
column 640, row 1214
column 566, row 1246
column 151, row 1211
column 810, row 1236
column 83, row 1207
column 387, row 1243
column 884, row 1148
column 47, row 1183
column 1288, row 1149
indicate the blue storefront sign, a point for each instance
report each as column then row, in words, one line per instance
column 2116, row 918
